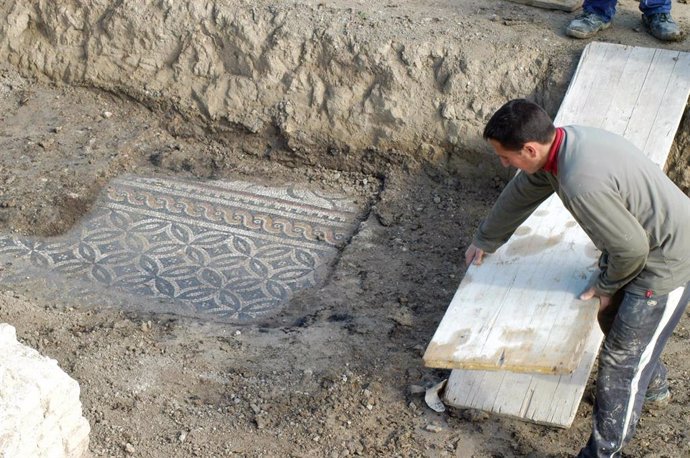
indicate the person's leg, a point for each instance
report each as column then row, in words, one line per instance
column 606, row 9
column 596, row 16
column 655, row 6
column 656, row 16
column 628, row 360
column 657, row 391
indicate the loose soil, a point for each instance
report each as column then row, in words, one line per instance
column 337, row 373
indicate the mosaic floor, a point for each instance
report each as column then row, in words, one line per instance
column 233, row 250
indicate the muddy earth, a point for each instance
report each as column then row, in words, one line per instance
column 381, row 99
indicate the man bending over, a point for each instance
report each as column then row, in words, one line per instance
column 639, row 220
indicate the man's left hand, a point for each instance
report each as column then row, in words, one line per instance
column 604, row 301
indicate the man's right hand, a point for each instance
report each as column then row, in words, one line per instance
column 474, row 255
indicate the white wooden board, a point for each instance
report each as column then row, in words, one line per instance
column 545, row 399
column 519, row 311
column 565, row 5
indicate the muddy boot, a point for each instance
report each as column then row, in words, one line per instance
column 662, row 26
column 658, row 400
column 658, row 394
column 587, row 25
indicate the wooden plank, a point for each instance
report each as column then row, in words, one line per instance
column 545, row 399
column 541, row 398
column 501, row 335
column 623, row 103
column 666, row 122
column 602, row 68
column 565, row 5
column 649, row 102
column 593, row 59
column 632, row 92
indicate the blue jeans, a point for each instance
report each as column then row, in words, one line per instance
column 607, row 8
column 629, row 364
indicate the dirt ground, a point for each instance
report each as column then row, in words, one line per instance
column 335, row 373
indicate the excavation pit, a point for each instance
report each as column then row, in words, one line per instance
column 393, row 92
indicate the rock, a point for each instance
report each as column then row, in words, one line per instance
column 46, row 143
column 448, row 112
column 355, row 447
column 434, row 428
column 416, row 389
column 129, row 448
column 255, row 408
column 40, row 411
column 121, row 324
column 261, row 421
column 403, row 316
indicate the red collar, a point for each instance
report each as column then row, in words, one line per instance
column 552, row 162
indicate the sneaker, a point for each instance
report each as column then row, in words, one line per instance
column 662, row 26
column 586, row 25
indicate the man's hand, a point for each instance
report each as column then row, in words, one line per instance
column 604, row 301
column 474, row 254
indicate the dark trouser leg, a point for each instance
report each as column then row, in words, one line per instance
column 604, row 8
column 658, row 383
column 628, row 360
column 655, row 6
column 606, row 316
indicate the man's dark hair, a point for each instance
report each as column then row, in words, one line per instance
column 518, row 122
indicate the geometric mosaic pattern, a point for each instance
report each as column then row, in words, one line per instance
column 232, row 250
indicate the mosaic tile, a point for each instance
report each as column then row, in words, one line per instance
column 236, row 250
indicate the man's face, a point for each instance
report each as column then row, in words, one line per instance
column 525, row 159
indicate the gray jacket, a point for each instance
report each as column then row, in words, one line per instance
column 630, row 209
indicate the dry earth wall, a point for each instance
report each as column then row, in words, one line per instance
column 314, row 79
column 678, row 166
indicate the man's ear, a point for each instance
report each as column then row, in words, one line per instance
column 530, row 149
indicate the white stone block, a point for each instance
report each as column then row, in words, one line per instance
column 40, row 411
